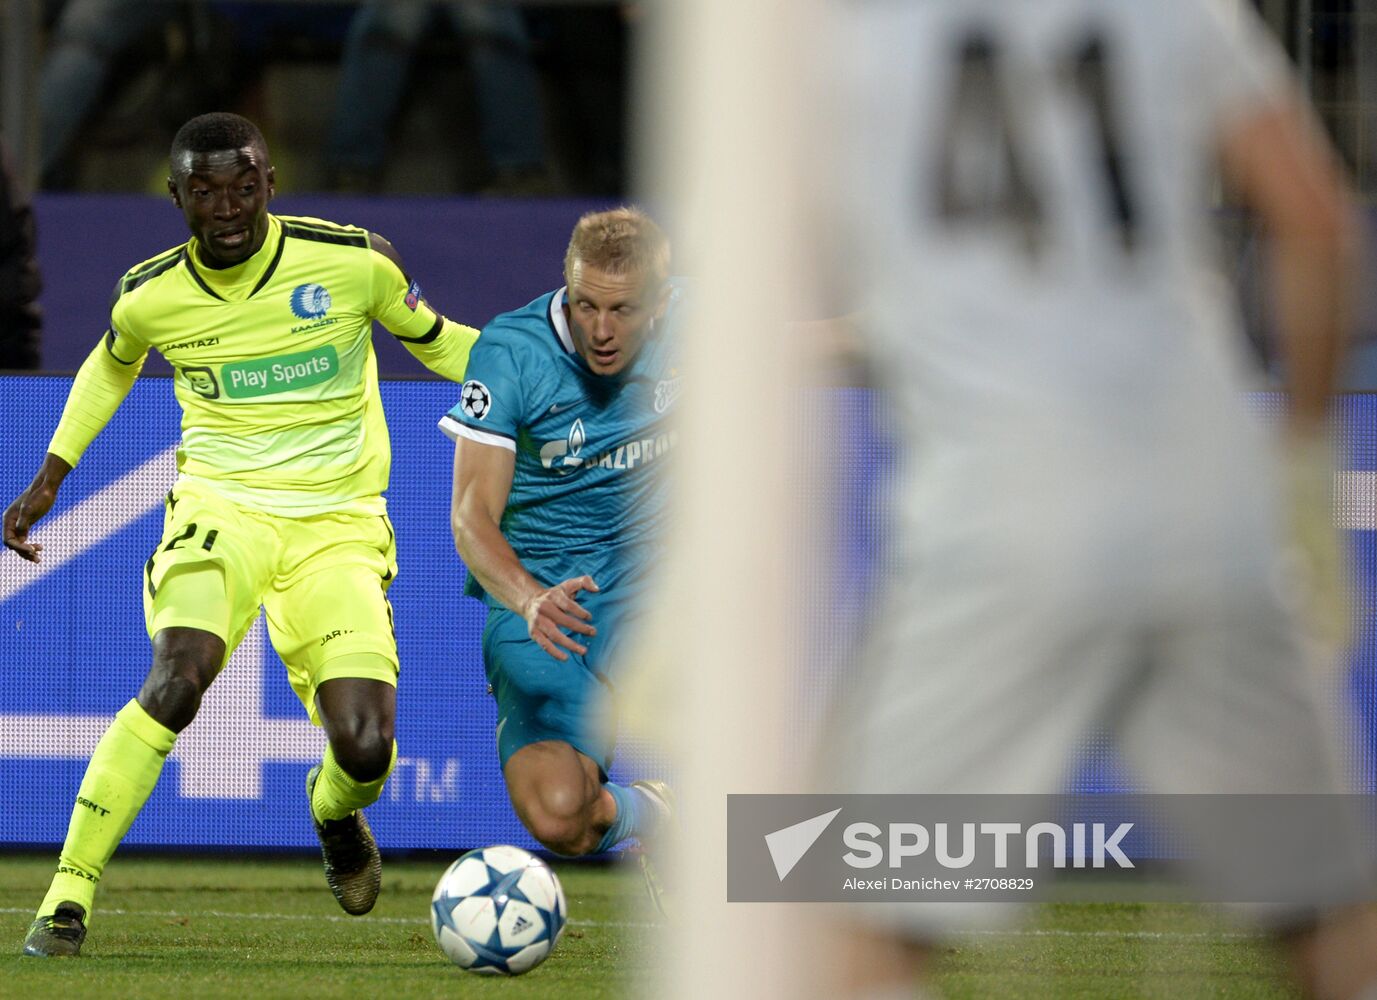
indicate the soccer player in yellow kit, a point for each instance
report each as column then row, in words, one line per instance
column 284, row 455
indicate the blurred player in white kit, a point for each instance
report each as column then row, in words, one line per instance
column 1091, row 523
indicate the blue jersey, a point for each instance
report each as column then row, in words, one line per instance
column 589, row 493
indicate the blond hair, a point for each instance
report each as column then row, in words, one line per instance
column 620, row 241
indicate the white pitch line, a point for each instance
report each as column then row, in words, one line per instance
column 417, row 922
column 329, row 917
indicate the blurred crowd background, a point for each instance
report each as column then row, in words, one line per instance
column 521, row 99
column 410, row 96
column 374, row 96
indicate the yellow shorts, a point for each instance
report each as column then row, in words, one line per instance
column 322, row 581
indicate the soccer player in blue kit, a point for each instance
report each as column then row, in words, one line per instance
column 561, row 443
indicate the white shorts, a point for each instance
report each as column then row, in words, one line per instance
column 990, row 683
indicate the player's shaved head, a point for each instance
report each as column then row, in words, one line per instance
column 214, row 133
column 222, row 181
column 619, row 242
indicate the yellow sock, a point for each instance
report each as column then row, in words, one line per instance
column 336, row 794
column 118, row 781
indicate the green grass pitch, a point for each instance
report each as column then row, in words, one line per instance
column 254, row 928
column 210, row 928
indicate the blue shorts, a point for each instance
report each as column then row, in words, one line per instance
column 541, row 698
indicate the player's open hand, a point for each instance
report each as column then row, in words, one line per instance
column 553, row 610
column 21, row 515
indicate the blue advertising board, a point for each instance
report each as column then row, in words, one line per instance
column 73, row 646
column 73, row 642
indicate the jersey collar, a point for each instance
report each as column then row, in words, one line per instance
column 558, row 322
column 243, row 280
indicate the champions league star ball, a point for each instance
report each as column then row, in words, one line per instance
column 475, row 399
column 498, row 910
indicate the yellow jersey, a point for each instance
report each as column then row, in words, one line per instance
column 274, row 364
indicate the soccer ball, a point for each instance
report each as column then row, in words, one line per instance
column 498, row 910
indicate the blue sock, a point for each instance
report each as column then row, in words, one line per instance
column 633, row 813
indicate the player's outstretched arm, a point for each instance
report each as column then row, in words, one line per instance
column 440, row 344
column 31, row 505
column 482, row 483
column 1283, row 169
column 97, row 392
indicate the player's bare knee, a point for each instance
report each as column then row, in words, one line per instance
column 359, row 717
column 564, row 800
column 364, row 751
column 172, row 699
column 363, row 761
column 558, row 815
column 185, row 661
